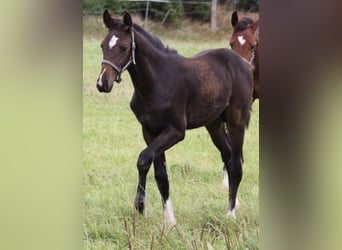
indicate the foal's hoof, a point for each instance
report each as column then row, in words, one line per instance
column 140, row 206
column 169, row 223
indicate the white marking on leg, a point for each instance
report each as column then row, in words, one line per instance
column 241, row 40
column 231, row 213
column 100, row 78
column 169, row 217
column 113, row 41
column 225, row 182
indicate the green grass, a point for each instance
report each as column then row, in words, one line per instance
column 112, row 142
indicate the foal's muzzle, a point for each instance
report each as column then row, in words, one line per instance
column 103, row 85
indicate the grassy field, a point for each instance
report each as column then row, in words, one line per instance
column 112, row 141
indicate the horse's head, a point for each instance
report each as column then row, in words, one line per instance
column 245, row 37
column 118, row 50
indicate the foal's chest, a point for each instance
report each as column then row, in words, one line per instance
column 154, row 117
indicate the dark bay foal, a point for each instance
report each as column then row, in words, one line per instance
column 173, row 93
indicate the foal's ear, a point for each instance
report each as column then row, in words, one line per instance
column 107, row 19
column 234, row 20
column 127, row 21
column 255, row 26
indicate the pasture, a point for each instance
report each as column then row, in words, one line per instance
column 112, row 141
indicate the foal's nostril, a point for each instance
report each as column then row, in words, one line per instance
column 100, row 84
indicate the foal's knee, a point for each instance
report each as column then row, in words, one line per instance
column 145, row 160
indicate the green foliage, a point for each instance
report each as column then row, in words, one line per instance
column 248, row 5
column 158, row 12
column 173, row 11
column 197, row 9
column 93, row 5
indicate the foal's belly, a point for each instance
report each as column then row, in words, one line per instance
column 207, row 107
column 198, row 118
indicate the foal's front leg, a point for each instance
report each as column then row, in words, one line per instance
column 160, row 175
column 139, row 201
column 143, row 169
column 155, row 152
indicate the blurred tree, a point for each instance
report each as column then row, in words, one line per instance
column 172, row 11
column 247, row 5
column 197, row 9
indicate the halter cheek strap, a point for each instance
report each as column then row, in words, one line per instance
column 250, row 62
column 131, row 60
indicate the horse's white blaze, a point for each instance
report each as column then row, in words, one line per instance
column 100, row 78
column 169, row 217
column 113, row 41
column 241, row 40
column 225, row 182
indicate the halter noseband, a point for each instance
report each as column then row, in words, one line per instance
column 131, row 60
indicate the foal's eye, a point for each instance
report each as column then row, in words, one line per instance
column 123, row 49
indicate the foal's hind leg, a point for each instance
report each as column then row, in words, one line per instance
column 160, row 174
column 221, row 140
column 236, row 134
column 225, row 182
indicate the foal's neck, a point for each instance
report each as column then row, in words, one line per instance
column 149, row 61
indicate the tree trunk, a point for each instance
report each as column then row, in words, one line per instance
column 213, row 19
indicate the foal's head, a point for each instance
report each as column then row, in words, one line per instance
column 245, row 36
column 118, row 50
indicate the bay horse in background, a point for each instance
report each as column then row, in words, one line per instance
column 173, row 93
column 245, row 41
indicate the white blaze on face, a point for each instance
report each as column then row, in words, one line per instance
column 241, row 40
column 100, row 78
column 113, row 41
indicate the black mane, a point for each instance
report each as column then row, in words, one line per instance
column 154, row 40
